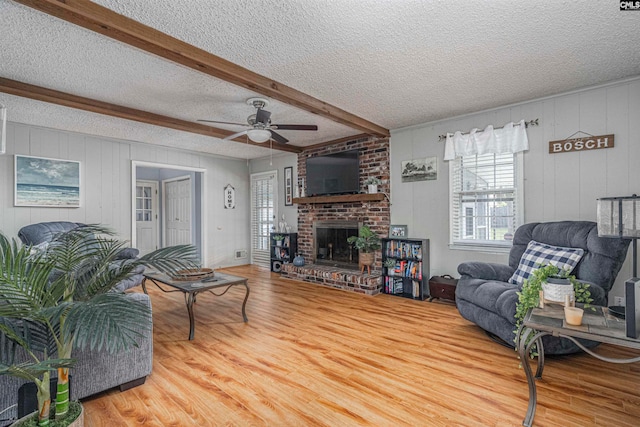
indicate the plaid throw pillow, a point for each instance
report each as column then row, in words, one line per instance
column 539, row 254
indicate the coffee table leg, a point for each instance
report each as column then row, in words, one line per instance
column 244, row 303
column 191, row 298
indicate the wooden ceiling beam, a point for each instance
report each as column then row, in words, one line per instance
column 39, row 93
column 119, row 27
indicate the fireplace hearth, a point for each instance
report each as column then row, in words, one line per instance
column 330, row 243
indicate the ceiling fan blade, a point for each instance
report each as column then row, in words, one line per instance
column 295, row 127
column 235, row 135
column 262, row 116
column 277, row 137
column 224, row 123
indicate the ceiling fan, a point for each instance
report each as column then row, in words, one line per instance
column 260, row 129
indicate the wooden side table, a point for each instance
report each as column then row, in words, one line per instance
column 442, row 287
column 597, row 325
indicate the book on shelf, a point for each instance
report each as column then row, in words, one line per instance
column 411, row 269
column 397, row 249
column 393, row 285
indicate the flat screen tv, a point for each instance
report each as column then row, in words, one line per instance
column 337, row 173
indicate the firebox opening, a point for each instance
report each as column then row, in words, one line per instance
column 330, row 243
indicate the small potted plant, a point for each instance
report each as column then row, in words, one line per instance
column 532, row 288
column 372, row 184
column 278, row 239
column 366, row 242
column 390, row 264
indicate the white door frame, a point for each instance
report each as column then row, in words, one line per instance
column 164, row 206
column 203, row 199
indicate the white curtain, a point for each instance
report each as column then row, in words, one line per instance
column 511, row 138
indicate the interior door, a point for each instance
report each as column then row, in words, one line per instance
column 177, row 211
column 147, row 216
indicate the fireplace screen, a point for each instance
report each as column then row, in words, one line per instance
column 331, row 247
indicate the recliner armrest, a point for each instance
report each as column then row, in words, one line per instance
column 486, row 271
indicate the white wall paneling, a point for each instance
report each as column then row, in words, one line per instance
column 561, row 186
column 107, row 190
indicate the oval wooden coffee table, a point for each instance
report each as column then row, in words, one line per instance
column 191, row 289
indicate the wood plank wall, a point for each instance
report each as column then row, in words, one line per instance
column 557, row 186
column 106, row 186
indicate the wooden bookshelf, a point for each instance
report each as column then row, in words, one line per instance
column 342, row 198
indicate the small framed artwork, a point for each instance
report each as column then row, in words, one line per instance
column 420, row 169
column 398, row 231
column 42, row 182
column 288, row 186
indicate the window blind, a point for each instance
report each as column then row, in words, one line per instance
column 484, row 199
column 263, row 214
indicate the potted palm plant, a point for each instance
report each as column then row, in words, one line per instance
column 366, row 242
column 66, row 294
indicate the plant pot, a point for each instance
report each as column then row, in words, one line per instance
column 373, row 188
column 557, row 289
column 78, row 422
column 278, row 242
column 366, row 258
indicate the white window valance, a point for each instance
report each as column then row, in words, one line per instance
column 511, row 138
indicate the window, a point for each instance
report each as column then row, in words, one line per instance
column 486, row 199
column 263, row 214
column 144, row 200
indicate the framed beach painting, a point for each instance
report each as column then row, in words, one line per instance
column 46, row 182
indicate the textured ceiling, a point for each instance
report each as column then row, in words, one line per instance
column 395, row 63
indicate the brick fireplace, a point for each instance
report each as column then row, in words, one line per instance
column 374, row 162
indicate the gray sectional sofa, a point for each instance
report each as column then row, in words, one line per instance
column 485, row 297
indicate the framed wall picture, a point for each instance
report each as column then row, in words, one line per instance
column 288, row 186
column 46, row 182
column 420, row 169
column 398, row 231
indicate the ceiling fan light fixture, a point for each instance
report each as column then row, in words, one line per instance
column 259, row 135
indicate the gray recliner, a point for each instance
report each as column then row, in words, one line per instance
column 485, row 297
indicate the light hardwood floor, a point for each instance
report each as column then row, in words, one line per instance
column 313, row 356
